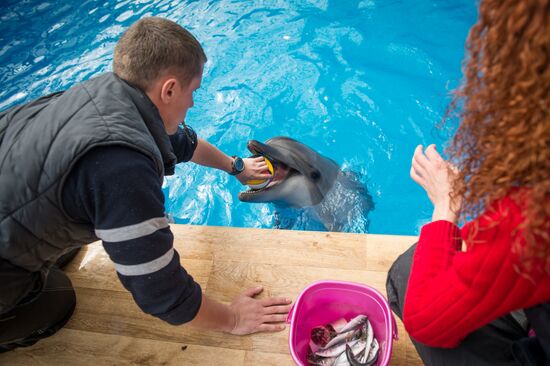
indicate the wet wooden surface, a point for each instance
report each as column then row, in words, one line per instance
column 108, row 328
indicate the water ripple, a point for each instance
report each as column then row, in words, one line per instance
column 360, row 81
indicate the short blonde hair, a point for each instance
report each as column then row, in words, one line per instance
column 153, row 46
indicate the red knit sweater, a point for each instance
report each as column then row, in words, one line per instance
column 452, row 293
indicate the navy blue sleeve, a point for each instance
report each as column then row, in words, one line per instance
column 184, row 143
column 118, row 190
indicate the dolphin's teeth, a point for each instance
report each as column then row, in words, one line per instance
column 253, row 191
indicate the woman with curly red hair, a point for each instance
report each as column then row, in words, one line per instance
column 480, row 295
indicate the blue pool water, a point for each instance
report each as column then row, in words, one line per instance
column 362, row 82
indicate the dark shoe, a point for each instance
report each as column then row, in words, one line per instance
column 40, row 317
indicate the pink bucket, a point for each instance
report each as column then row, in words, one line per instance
column 326, row 301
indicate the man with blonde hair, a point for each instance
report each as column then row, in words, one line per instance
column 88, row 164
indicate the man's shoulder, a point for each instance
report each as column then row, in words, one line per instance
column 116, row 158
column 110, row 176
column 108, row 151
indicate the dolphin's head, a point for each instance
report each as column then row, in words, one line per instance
column 301, row 176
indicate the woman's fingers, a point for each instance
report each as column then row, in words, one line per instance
column 433, row 155
column 419, row 170
column 420, row 159
column 416, row 166
column 418, row 178
column 415, row 176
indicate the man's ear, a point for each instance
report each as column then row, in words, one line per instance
column 168, row 90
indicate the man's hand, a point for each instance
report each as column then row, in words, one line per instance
column 434, row 175
column 252, row 315
column 254, row 168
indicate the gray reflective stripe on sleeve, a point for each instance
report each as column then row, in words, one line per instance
column 132, row 231
column 145, row 268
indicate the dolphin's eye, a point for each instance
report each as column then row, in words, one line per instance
column 315, row 175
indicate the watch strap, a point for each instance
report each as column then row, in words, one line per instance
column 234, row 171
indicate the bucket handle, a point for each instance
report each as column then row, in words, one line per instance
column 394, row 322
column 290, row 313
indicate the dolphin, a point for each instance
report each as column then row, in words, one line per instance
column 303, row 178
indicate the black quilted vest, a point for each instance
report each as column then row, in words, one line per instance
column 39, row 144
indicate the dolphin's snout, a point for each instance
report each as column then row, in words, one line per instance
column 255, row 147
column 250, row 146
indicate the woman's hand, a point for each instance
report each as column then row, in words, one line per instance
column 434, row 175
column 254, row 168
column 252, row 315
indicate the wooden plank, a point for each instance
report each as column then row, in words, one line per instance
column 400, row 347
column 93, row 268
column 225, row 261
column 383, row 250
column 315, row 249
column 255, row 358
column 116, row 313
column 74, row 347
column 412, row 357
column 113, row 312
column 229, row 278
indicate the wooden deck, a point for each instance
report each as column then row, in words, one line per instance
column 109, row 329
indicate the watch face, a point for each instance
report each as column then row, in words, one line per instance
column 239, row 164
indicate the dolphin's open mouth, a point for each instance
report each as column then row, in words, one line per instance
column 281, row 171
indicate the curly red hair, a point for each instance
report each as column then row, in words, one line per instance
column 503, row 139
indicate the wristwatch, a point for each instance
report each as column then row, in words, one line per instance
column 237, row 166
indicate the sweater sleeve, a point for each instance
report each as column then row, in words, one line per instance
column 118, row 190
column 184, row 143
column 452, row 293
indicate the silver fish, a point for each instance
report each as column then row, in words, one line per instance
column 373, row 353
column 353, row 361
column 342, row 337
column 336, row 350
column 341, row 360
column 354, row 323
column 367, row 329
column 320, row 361
column 353, row 345
column 339, row 324
column 358, row 349
column 351, row 358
